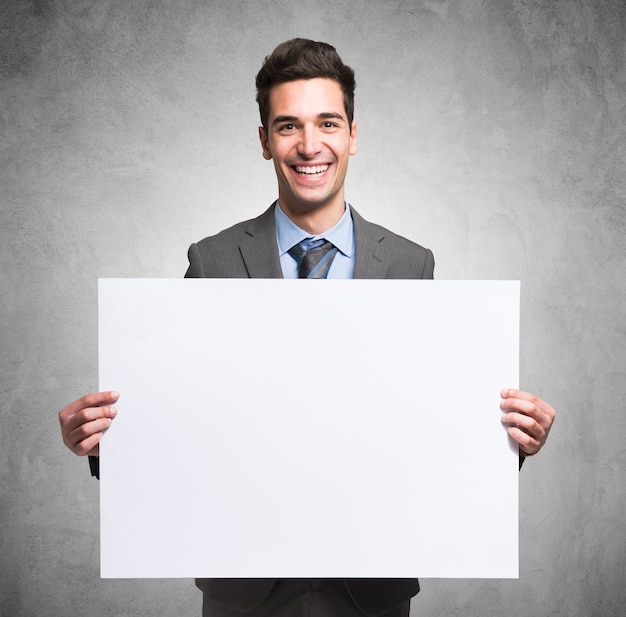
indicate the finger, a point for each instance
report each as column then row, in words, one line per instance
column 523, row 407
column 89, row 446
column 514, row 393
column 84, row 438
column 530, row 399
column 94, row 399
column 525, row 423
column 87, row 430
column 85, row 416
column 531, row 408
column 527, row 444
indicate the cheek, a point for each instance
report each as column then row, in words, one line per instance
column 277, row 167
column 343, row 159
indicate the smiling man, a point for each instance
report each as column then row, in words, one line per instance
column 309, row 137
column 306, row 101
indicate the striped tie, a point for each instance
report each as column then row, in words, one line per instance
column 314, row 257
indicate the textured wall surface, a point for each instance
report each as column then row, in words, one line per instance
column 492, row 131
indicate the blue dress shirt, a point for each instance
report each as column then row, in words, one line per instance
column 288, row 234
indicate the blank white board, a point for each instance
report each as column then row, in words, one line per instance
column 317, row 429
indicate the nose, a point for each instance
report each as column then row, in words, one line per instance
column 309, row 145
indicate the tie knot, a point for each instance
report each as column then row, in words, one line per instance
column 314, row 257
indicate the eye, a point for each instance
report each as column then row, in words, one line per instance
column 285, row 128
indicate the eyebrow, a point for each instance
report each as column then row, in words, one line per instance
column 329, row 115
column 281, row 119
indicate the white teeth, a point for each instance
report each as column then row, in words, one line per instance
column 311, row 170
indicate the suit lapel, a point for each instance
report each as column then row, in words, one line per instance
column 259, row 250
column 371, row 257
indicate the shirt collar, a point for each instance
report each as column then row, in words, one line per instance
column 288, row 234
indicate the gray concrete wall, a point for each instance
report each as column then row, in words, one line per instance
column 492, row 131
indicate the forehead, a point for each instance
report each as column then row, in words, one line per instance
column 306, row 98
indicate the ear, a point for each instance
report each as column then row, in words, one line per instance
column 267, row 155
column 353, row 149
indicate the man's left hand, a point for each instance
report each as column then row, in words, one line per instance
column 527, row 418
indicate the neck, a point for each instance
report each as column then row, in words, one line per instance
column 315, row 220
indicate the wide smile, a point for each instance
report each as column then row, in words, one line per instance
column 311, row 171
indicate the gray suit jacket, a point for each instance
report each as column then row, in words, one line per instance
column 249, row 250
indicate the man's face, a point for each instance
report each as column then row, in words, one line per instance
column 309, row 139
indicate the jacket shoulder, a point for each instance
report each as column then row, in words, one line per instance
column 398, row 242
column 219, row 255
column 386, row 254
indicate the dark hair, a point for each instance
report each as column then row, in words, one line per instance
column 303, row 59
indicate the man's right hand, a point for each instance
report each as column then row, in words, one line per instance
column 84, row 421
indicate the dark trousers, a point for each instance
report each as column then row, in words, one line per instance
column 302, row 598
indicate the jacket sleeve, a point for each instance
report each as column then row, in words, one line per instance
column 195, row 269
column 429, row 265
column 94, row 466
